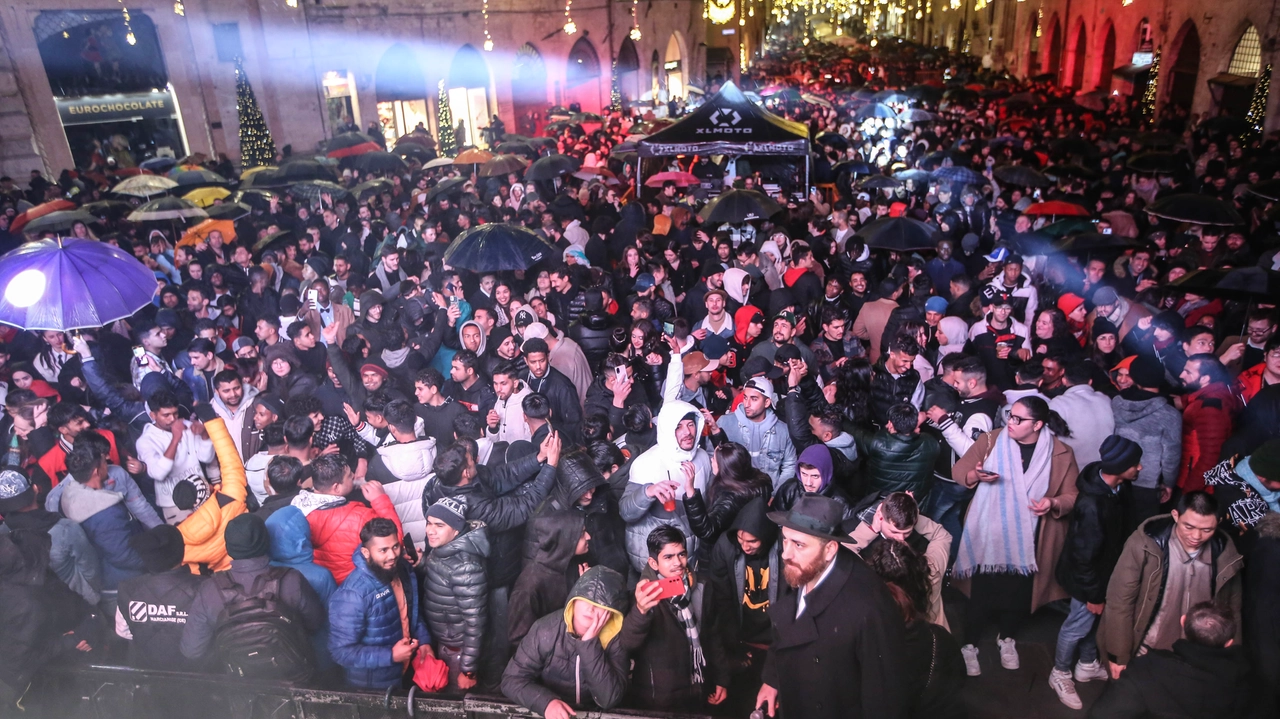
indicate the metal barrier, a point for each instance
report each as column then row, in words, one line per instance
column 111, row 692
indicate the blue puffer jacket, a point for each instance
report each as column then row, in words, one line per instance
column 291, row 547
column 364, row 623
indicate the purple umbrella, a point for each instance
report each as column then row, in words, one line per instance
column 67, row 284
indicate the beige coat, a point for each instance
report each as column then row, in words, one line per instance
column 1053, row 526
column 936, row 554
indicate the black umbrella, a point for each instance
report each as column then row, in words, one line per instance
column 1267, row 190
column 551, row 167
column 446, row 187
column 1087, row 242
column 739, row 206
column 834, row 140
column 887, row 96
column 498, row 246
column 108, row 208
column 880, row 182
column 258, row 199
column 190, row 179
column 265, row 241
column 926, row 93
column 415, row 151
column 1159, row 163
column 229, row 211
column 1196, row 209
column 1242, row 283
column 1224, row 123
column 59, row 222
column 934, row 160
column 313, row 190
column 875, row 110
column 958, row 174
column 918, row 176
column 299, row 171
column 1022, row 176
column 522, row 149
column 266, row 177
column 856, row 167
column 902, row 234
column 503, row 164
column 377, row 161
column 372, row 187
column 167, row 209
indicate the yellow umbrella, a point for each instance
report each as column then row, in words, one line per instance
column 253, row 170
column 200, row 232
column 206, row 196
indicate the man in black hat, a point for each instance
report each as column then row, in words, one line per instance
column 837, row 648
column 152, row 609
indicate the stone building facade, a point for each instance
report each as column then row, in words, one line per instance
column 313, row 63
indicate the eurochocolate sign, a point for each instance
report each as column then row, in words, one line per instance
column 115, row 108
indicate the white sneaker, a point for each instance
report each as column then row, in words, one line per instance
column 971, row 666
column 1092, row 670
column 1008, row 653
column 1066, row 689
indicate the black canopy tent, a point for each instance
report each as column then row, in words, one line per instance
column 729, row 124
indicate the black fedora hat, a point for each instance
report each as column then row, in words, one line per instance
column 814, row 515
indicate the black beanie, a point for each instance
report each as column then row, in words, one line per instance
column 160, row 548
column 1118, row 454
column 247, row 537
column 1147, row 371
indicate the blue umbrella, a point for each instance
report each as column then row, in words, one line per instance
column 65, row 284
column 958, row 174
column 159, row 165
column 498, row 246
column 916, row 115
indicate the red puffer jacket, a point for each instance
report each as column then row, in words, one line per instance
column 1207, row 422
column 335, row 532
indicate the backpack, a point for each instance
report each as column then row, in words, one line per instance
column 257, row 635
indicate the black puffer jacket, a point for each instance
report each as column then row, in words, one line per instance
column 887, row 390
column 592, row 331
column 792, row 490
column 544, row 582
column 1095, row 537
column 553, row 663
column 899, row 462
column 1191, row 682
column 709, row 522
column 457, row 594
column 577, row 476
column 503, row 500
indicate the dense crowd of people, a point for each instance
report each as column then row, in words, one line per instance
column 683, row 466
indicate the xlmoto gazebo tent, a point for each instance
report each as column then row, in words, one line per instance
column 729, row 124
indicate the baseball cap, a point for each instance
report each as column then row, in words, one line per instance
column 999, row 254
column 644, row 281
column 993, row 296
column 714, row 347
column 787, row 315
column 1105, row 296
column 759, row 366
column 787, row 352
column 764, row 387
column 695, row 362
column 935, row 304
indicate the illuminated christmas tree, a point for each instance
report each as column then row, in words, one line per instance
column 447, row 143
column 615, row 92
column 256, row 146
column 1258, row 105
column 1153, row 83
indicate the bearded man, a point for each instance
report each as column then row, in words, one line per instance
column 837, row 647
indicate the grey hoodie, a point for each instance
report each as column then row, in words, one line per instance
column 767, row 440
column 1156, row 426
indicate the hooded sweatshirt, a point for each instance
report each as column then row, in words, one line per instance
column 660, row 463
column 554, row 663
column 1148, row 419
column 767, row 440
column 733, row 278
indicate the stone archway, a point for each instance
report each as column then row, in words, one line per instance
column 1108, row 59
column 1053, row 63
column 1184, row 66
column 528, row 89
column 1079, row 54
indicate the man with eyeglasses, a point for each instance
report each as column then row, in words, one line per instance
column 1240, row 353
column 1264, row 374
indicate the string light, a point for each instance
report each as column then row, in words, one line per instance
column 446, row 140
column 1258, row 105
column 1149, row 95
column 635, row 23
column 291, row 3
column 570, row 27
column 129, row 37
column 179, row 8
column 721, row 11
column 488, row 40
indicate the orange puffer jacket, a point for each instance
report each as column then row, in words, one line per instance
column 203, row 530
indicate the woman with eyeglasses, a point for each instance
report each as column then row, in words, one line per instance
column 1024, row 477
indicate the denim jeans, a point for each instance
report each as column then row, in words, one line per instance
column 946, row 505
column 1077, row 632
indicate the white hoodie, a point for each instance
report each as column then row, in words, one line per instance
column 413, row 463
